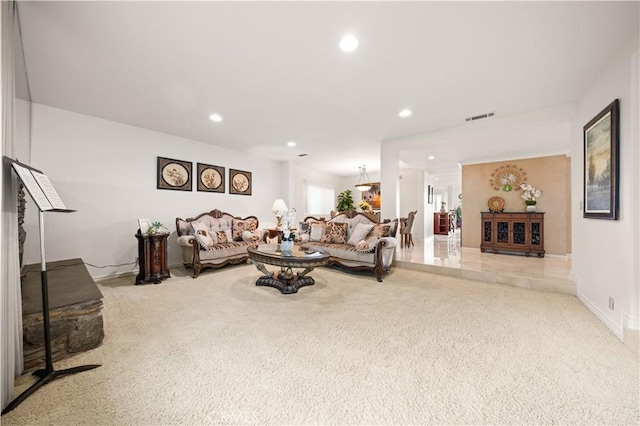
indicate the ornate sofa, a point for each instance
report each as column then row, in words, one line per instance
column 353, row 241
column 216, row 239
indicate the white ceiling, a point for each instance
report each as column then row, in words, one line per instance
column 275, row 73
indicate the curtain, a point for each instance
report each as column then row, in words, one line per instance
column 10, row 295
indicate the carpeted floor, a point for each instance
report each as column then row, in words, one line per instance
column 415, row 349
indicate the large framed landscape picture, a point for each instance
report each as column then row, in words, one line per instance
column 601, row 159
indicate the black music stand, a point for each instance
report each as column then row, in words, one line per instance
column 44, row 195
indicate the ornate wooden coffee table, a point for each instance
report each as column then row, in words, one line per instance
column 286, row 280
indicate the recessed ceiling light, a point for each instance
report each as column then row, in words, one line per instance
column 348, row 43
column 405, row 113
column 431, row 157
column 437, row 178
column 291, row 143
column 215, row 117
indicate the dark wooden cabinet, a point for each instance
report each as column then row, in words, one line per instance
column 443, row 223
column 519, row 232
column 152, row 257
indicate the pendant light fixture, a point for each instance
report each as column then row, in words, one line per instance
column 364, row 183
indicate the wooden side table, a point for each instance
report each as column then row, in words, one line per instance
column 152, row 257
column 273, row 233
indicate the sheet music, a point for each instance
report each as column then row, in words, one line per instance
column 33, row 188
column 49, row 190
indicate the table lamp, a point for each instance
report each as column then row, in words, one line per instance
column 280, row 209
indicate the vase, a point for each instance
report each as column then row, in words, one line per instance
column 531, row 208
column 286, row 246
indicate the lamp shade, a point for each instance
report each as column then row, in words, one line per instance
column 279, row 207
column 363, row 187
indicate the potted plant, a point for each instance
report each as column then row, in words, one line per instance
column 157, row 228
column 345, row 201
column 530, row 195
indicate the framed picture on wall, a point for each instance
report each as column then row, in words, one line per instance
column 210, row 178
column 239, row 182
column 372, row 196
column 174, row 174
column 601, row 161
column 430, row 194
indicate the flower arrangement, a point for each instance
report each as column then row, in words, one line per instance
column 364, row 206
column 530, row 194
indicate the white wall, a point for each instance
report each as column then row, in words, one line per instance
column 23, row 130
column 605, row 252
column 107, row 171
column 413, row 196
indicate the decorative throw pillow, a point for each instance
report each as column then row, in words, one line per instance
column 359, row 233
column 335, row 233
column 317, row 229
column 241, row 225
column 250, row 236
column 363, row 246
column 201, row 233
column 304, row 228
column 380, row 230
column 222, row 237
column 237, row 229
column 205, row 240
column 198, row 226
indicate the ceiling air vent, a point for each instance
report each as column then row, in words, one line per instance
column 302, row 155
column 480, row 117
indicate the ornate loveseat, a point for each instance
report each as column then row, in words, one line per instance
column 353, row 241
column 216, row 239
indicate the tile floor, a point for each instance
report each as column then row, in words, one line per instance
column 442, row 254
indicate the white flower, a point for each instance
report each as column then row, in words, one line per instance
column 529, row 193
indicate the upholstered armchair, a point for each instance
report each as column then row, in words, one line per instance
column 406, row 229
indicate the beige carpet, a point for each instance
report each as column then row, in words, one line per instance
column 416, row 349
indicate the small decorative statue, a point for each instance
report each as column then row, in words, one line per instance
column 442, row 208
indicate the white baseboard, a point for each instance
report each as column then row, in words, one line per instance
column 132, row 273
column 113, row 276
column 601, row 316
column 631, row 330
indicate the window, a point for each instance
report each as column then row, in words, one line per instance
column 318, row 198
